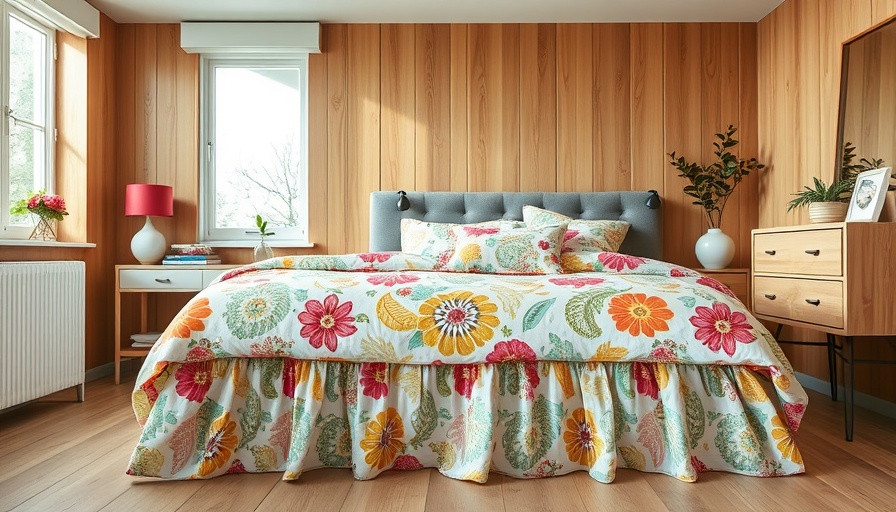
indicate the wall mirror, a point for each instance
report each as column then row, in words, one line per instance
column 867, row 128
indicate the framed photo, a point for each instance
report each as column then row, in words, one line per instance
column 868, row 195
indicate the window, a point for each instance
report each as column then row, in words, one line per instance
column 26, row 87
column 254, row 137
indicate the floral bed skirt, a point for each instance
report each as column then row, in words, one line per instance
column 526, row 420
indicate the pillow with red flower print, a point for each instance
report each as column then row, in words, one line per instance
column 496, row 250
column 435, row 239
column 582, row 235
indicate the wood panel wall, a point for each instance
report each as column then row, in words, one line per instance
column 86, row 168
column 508, row 107
column 568, row 107
column 800, row 49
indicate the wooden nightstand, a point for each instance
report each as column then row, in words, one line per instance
column 837, row 278
column 145, row 279
column 737, row 279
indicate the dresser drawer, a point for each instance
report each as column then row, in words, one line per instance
column 806, row 300
column 160, row 279
column 817, row 252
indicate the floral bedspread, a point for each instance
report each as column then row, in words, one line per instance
column 365, row 323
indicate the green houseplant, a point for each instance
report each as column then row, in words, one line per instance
column 711, row 186
column 828, row 203
column 825, row 202
column 262, row 250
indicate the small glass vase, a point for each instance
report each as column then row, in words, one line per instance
column 44, row 230
column 262, row 252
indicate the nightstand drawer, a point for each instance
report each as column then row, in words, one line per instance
column 805, row 300
column 160, row 279
column 210, row 275
column 817, row 252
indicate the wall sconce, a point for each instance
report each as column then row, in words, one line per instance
column 403, row 203
column 653, row 202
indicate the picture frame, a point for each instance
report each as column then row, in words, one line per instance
column 868, row 195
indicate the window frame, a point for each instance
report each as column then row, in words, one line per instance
column 241, row 237
column 7, row 230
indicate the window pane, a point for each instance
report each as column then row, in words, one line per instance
column 257, row 146
column 27, row 54
column 26, row 165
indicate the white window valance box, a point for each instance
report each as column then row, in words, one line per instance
column 73, row 16
column 250, row 38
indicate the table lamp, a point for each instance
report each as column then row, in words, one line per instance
column 148, row 245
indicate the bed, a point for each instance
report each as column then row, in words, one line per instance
column 397, row 361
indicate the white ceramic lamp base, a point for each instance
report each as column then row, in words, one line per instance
column 148, row 245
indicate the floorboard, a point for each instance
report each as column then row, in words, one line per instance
column 60, row 455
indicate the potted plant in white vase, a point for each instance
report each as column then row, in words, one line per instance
column 711, row 186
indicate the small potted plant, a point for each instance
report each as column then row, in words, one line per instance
column 825, row 202
column 829, row 203
column 262, row 250
column 711, row 186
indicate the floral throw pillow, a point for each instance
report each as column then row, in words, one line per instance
column 582, row 235
column 497, row 250
column 436, row 239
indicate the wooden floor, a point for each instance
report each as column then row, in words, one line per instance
column 59, row 455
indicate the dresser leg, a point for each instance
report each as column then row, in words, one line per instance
column 848, row 383
column 832, row 366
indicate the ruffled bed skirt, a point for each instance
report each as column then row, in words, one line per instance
column 526, row 420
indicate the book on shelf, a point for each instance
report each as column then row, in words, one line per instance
column 192, row 262
column 191, row 249
column 144, row 339
column 191, row 257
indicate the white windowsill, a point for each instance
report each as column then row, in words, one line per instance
column 253, row 243
column 45, row 243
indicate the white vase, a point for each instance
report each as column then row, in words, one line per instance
column 715, row 249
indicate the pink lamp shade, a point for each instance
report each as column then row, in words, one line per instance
column 148, row 199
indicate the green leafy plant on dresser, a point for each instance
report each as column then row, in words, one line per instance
column 828, row 202
column 711, row 186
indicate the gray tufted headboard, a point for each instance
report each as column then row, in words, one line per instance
column 644, row 238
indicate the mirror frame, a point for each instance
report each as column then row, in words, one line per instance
column 844, row 80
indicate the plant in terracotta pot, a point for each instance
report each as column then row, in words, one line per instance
column 711, row 186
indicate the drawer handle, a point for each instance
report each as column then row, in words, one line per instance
column 771, row 296
column 813, row 252
column 166, row 280
column 814, row 302
column 770, row 253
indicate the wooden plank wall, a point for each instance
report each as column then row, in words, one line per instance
column 531, row 107
column 470, row 108
column 800, row 49
column 86, row 167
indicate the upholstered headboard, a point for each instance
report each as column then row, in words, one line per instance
column 644, row 238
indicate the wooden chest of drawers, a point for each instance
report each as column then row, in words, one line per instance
column 838, row 278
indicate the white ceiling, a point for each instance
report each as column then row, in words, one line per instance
column 435, row 11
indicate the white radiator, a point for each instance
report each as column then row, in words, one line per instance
column 41, row 329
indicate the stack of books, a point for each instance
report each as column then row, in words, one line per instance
column 191, row 254
column 145, row 339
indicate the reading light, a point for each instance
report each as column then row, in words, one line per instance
column 653, row 202
column 403, row 203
